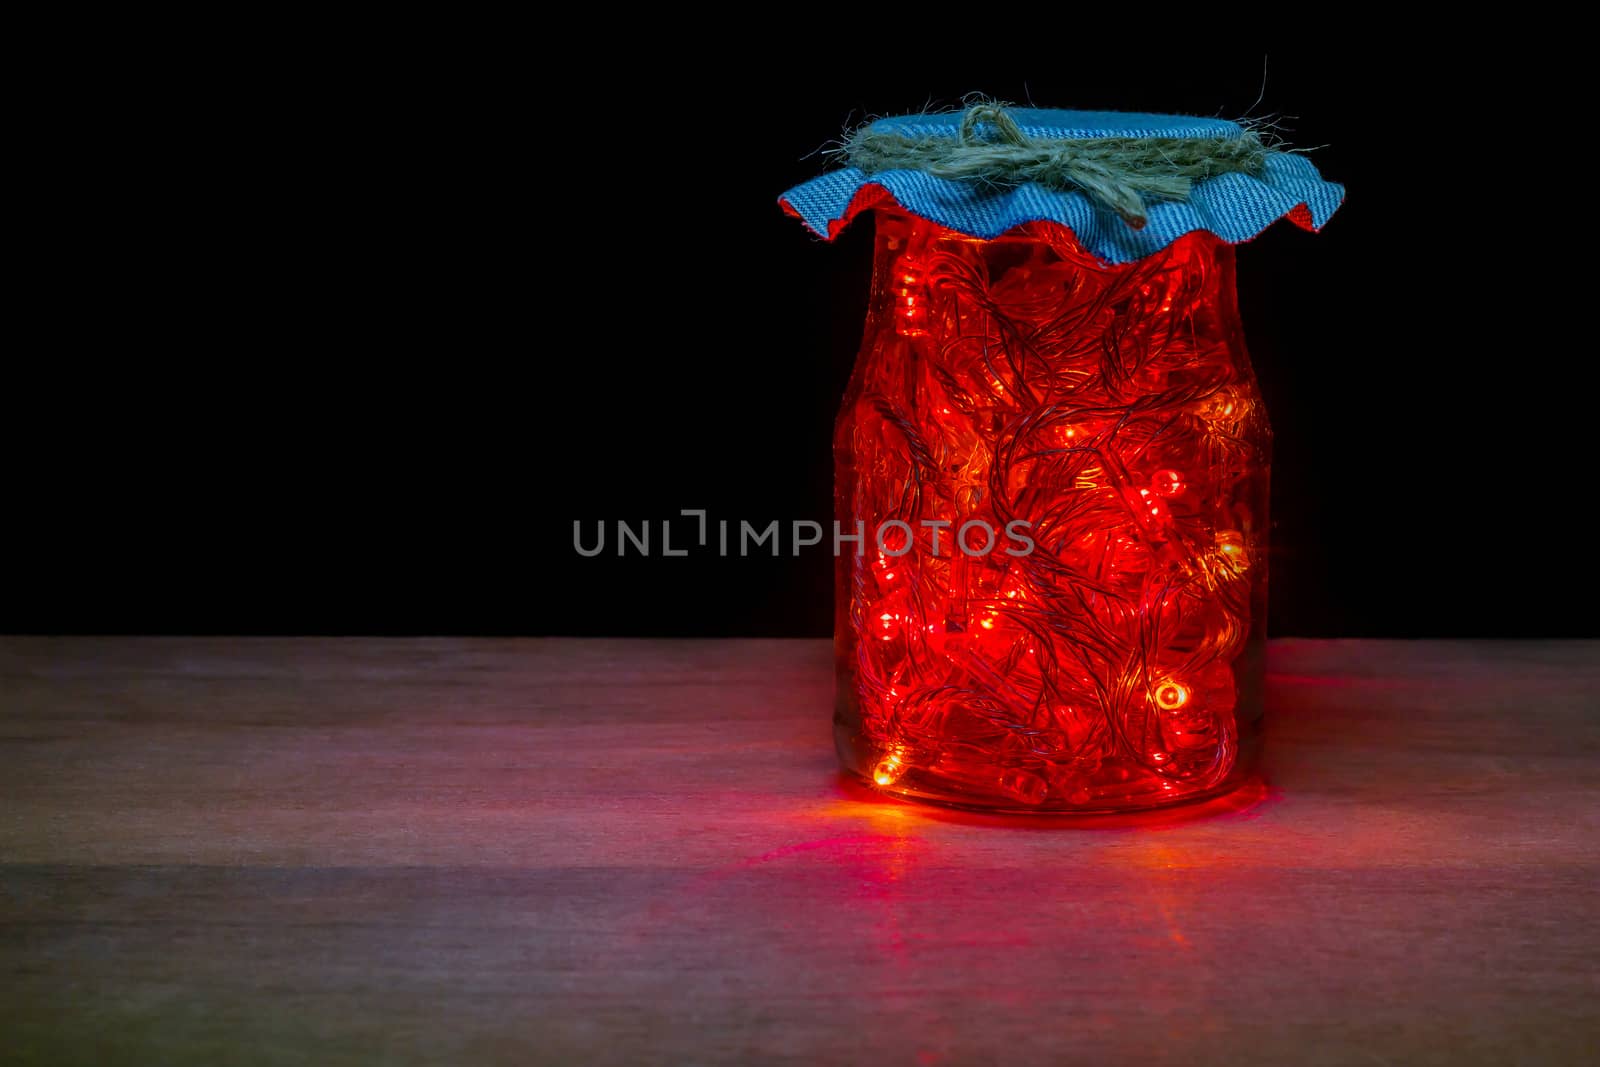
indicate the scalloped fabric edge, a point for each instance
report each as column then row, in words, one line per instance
column 1235, row 207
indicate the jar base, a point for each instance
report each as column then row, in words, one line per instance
column 978, row 805
column 1105, row 798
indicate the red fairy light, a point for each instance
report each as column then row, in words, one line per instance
column 911, row 303
column 1167, row 483
column 1110, row 410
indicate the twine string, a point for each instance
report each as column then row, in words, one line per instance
column 1119, row 173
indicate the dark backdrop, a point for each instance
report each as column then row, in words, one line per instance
column 350, row 353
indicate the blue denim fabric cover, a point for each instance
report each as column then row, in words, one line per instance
column 1235, row 207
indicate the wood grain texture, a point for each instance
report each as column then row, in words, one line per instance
column 632, row 852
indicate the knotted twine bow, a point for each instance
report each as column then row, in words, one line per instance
column 1118, row 172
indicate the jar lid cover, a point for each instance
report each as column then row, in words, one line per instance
column 992, row 168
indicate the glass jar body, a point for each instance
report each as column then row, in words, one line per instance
column 1058, row 471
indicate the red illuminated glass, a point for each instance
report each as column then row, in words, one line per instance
column 1108, row 415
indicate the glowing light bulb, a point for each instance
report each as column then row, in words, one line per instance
column 911, row 309
column 889, row 769
column 1170, row 696
column 1167, row 483
column 1065, row 436
column 1223, row 411
column 1147, row 510
column 1232, row 552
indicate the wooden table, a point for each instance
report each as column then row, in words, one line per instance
column 632, row 852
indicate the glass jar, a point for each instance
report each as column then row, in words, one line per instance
column 1059, row 472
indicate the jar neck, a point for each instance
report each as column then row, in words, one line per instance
column 916, row 258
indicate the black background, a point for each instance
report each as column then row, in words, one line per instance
column 351, row 351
